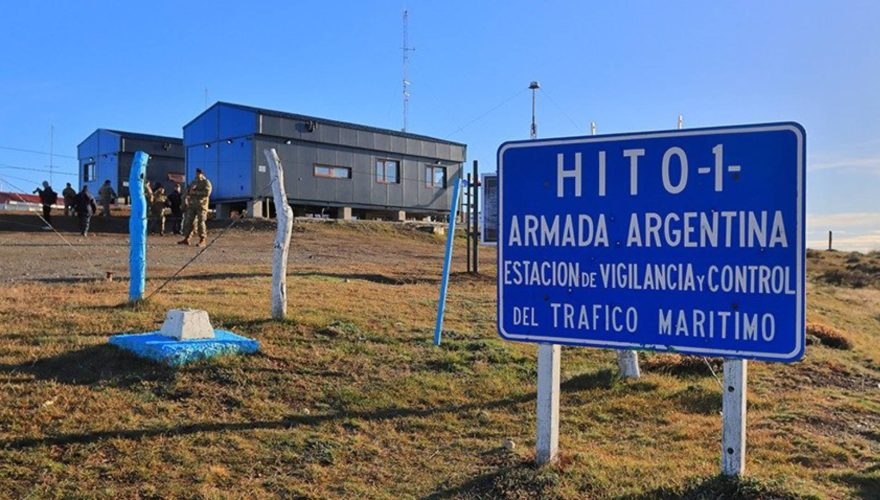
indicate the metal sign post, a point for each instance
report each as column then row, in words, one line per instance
column 687, row 241
column 733, row 418
column 547, row 445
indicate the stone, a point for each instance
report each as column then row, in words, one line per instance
column 509, row 445
column 187, row 324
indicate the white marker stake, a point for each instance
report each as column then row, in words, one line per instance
column 733, row 419
column 628, row 362
column 284, row 217
column 548, row 403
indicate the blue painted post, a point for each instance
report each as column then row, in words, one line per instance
column 137, row 227
column 447, row 261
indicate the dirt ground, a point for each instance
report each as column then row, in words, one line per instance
column 49, row 256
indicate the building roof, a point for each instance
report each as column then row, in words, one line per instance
column 135, row 135
column 9, row 197
column 147, row 137
column 335, row 123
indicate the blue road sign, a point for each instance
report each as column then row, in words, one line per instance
column 688, row 241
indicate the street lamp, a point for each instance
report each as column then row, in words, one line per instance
column 534, row 86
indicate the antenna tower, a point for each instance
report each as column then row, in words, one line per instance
column 406, row 50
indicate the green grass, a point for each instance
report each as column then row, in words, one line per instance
column 349, row 397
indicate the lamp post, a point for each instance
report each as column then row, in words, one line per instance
column 534, row 86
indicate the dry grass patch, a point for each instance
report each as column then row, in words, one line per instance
column 822, row 334
column 680, row 364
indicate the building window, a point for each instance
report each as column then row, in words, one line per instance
column 332, row 171
column 435, row 177
column 89, row 172
column 387, row 171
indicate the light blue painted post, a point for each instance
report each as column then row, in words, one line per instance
column 137, row 227
column 447, row 261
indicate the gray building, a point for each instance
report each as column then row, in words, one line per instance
column 330, row 167
column 107, row 155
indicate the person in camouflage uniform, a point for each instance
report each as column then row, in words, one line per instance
column 107, row 196
column 157, row 209
column 69, row 195
column 197, row 195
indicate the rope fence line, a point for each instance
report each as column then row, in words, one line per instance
column 203, row 250
column 75, row 249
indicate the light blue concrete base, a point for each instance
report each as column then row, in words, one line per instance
column 180, row 352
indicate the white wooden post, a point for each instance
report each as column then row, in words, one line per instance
column 284, row 218
column 628, row 363
column 548, row 403
column 733, row 418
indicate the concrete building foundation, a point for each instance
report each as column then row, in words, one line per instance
column 343, row 213
column 255, row 209
column 222, row 210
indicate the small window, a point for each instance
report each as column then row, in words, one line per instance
column 332, row 171
column 387, row 171
column 89, row 172
column 435, row 177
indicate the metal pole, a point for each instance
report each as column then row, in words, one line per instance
column 829, row 240
column 51, row 152
column 476, row 216
column 547, row 444
column 534, row 86
column 447, row 261
column 467, row 221
column 733, row 418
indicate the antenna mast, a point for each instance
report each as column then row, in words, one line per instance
column 406, row 50
column 51, row 151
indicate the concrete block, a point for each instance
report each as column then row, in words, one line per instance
column 255, row 209
column 187, row 324
column 400, row 216
column 343, row 213
column 222, row 210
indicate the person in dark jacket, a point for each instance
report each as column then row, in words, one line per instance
column 48, row 197
column 85, row 206
column 175, row 203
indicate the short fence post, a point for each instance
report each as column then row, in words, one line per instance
column 829, row 240
column 628, row 363
column 733, row 418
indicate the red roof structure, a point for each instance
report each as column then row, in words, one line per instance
column 8, row 197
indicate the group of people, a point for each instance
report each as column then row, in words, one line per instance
column 84, row 206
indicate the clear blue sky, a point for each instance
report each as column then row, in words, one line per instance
column 629, row 66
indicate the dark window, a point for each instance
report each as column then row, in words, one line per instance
column 387, row 171
column 332, row 171
column 89, row 172
column 435, row 176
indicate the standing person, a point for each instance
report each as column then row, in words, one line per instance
column 69, row 195
column 85, row 206
column 107, row 196
column 157, row 209
column 175, row 202
column 197, row 195
column 48, row 197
